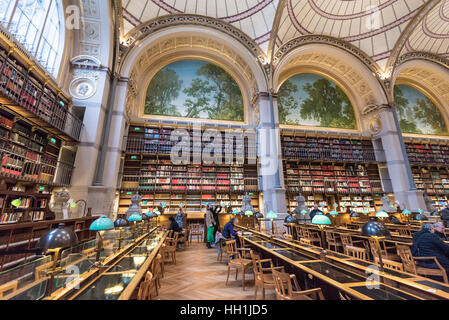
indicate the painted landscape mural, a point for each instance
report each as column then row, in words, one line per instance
column 194, row 89
column 417, row 114
column 311, row 100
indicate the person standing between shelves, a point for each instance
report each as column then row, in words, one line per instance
column 315, row 211
column 210, row 222
column 180, row 217
column 445, row 215
column 216, row 211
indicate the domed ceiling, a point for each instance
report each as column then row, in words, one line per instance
column 380, row 28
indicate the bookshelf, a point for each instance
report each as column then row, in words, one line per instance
column 26, row 93
column 430, row 168
column 328, row 171
column 148, row 169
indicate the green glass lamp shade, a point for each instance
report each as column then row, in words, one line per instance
column 304, row 212
column 367, row 205
column 163, row 205
column 157, row 212
column 382, row 214
column 322, row 205
column 249, row 213
column 150, row 214
column 121, row 223
column 272, row 215
column 406, row 212
column 135, row 217
column 102, row 224
column 16, row 203
column 420, row 211
column 333, row 213
column 335, row 205
column 355, row 205
column 365, row 211
column 235, row 212
column 181, row 205
column 60, row 237
column 321, row 220
column 375, row 228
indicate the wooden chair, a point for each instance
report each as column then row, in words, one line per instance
column 394, row 265
column 187, row 235
column 287, row 237
column 263, row 276
column 344, row 296
column 356, row 252
column 147, row 289
column 169, row 248
column 313, row 236
column 346, row 240
column 383, row 250
column 156, row 270
column 197, row 230
column 305, row 241
column 181, row 240
column 332, row 241
column 404, row 232
column 284, row 288
column 410, row 264
column 8, row 288
column 236, row 261
column 222, row 245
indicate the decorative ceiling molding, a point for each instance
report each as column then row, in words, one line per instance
column 443, row 61
column 157, row 24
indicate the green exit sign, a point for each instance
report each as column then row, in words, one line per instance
column 133, row 157
column 53, row 140
column 62, row 103
column 42, row 189
column 129, row 193
column 136, row 129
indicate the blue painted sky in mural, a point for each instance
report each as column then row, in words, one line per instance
column 300, row 80
column 186, row 71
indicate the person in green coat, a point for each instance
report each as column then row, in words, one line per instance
column 210, row 223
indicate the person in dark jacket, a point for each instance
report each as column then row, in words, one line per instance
column 439, row 231
column 174, row 225
column 229, row 232
column 315, row 211
column 216, row 211
column 427, row 244
column 445, row 215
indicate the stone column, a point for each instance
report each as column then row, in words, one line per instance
column 397, row 161
column 271, row 173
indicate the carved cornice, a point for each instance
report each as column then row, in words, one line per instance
column 373, row 108
column 160, row 23
column 419, row 55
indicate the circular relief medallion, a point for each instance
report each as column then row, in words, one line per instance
column 375, row 126
column 82, row 88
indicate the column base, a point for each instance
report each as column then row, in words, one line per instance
column 412, row 200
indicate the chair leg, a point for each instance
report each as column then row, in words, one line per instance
column 227, row 278
column 263, row 293
column 243, row 279
column 255, row 291
column 236, row 273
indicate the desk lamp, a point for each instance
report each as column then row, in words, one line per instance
column 382, row 215
column 145, row 220
column 334, row 215
column 120, row 223
column 54, row 241
column 101, row 225
column 407, row 214
column 377, row 231
column 135, row 217
column 420, row 217
column 271, row 216
column 321, row 220
column 158, row 214
column 248, row 213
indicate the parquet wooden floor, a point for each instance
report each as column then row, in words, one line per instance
column 198, row 275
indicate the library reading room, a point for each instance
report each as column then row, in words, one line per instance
column 215, row 150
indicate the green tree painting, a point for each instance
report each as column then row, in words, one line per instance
column 163, row 89
column 307, row 99
column 195, row 89
column 417, row 113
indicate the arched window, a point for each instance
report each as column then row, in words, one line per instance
column 417, row 113
column 37, row 24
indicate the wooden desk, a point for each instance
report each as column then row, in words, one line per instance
column 344, row 272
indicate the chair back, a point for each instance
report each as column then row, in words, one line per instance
column 374, row 249
column 356, row 252
column 330, row 236
column 145, row 287
column 408, row 263
column 404, row 232
column 231, row 249
column 346, row 239
column 394, row 265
